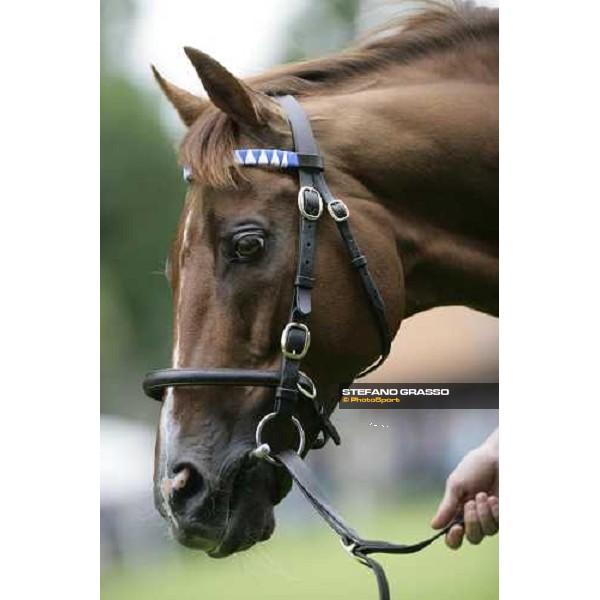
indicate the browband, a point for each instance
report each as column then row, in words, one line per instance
column 281, row 159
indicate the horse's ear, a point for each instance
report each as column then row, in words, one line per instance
column 230, row 94
column 187, row 105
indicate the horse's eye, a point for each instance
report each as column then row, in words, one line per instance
column 247, row 246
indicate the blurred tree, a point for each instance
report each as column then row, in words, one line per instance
column 141, row 196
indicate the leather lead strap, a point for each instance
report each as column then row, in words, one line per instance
column 359, row 547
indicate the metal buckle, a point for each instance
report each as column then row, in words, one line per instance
column 308, row 392
column 187, row 174
column 350, row 548
column 284, row 338
column 333, row 214
column 263, row 450
column 302, row 205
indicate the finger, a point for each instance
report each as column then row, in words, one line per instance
column 449, row 504
column 484, row 513
column 494, row 505
column 472, row 525
column 454, row 537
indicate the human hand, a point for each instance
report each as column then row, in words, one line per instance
column 472, row 487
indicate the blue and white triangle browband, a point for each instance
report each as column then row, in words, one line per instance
column 258, row 157
column 281, row 159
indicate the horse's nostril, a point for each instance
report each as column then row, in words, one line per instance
column 186, row 482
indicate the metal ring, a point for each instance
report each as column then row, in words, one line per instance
column 309, row 393
column 284, row 335
column 260, row 427
column 335, row 217
column 306, row 215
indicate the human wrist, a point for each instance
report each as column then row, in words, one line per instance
column 491, row 447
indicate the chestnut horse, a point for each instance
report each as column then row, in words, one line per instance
column 408, row 125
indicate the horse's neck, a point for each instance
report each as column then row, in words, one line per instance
column 427, row 153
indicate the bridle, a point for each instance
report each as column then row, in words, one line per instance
column 313, row 197
column 290, row 382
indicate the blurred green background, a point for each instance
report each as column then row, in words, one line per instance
column 142, row 193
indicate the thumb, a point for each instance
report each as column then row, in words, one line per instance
column 448, row 506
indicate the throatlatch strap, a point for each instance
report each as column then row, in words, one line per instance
column 356, row 545
column 359, row 261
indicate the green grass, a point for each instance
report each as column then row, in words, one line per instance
column 312, row 564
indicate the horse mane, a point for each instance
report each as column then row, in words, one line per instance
column 432, row 27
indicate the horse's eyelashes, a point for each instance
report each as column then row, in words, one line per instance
column 245, row 245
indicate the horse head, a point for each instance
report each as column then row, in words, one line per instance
column 232, row 268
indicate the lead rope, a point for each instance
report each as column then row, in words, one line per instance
column 352, row 542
